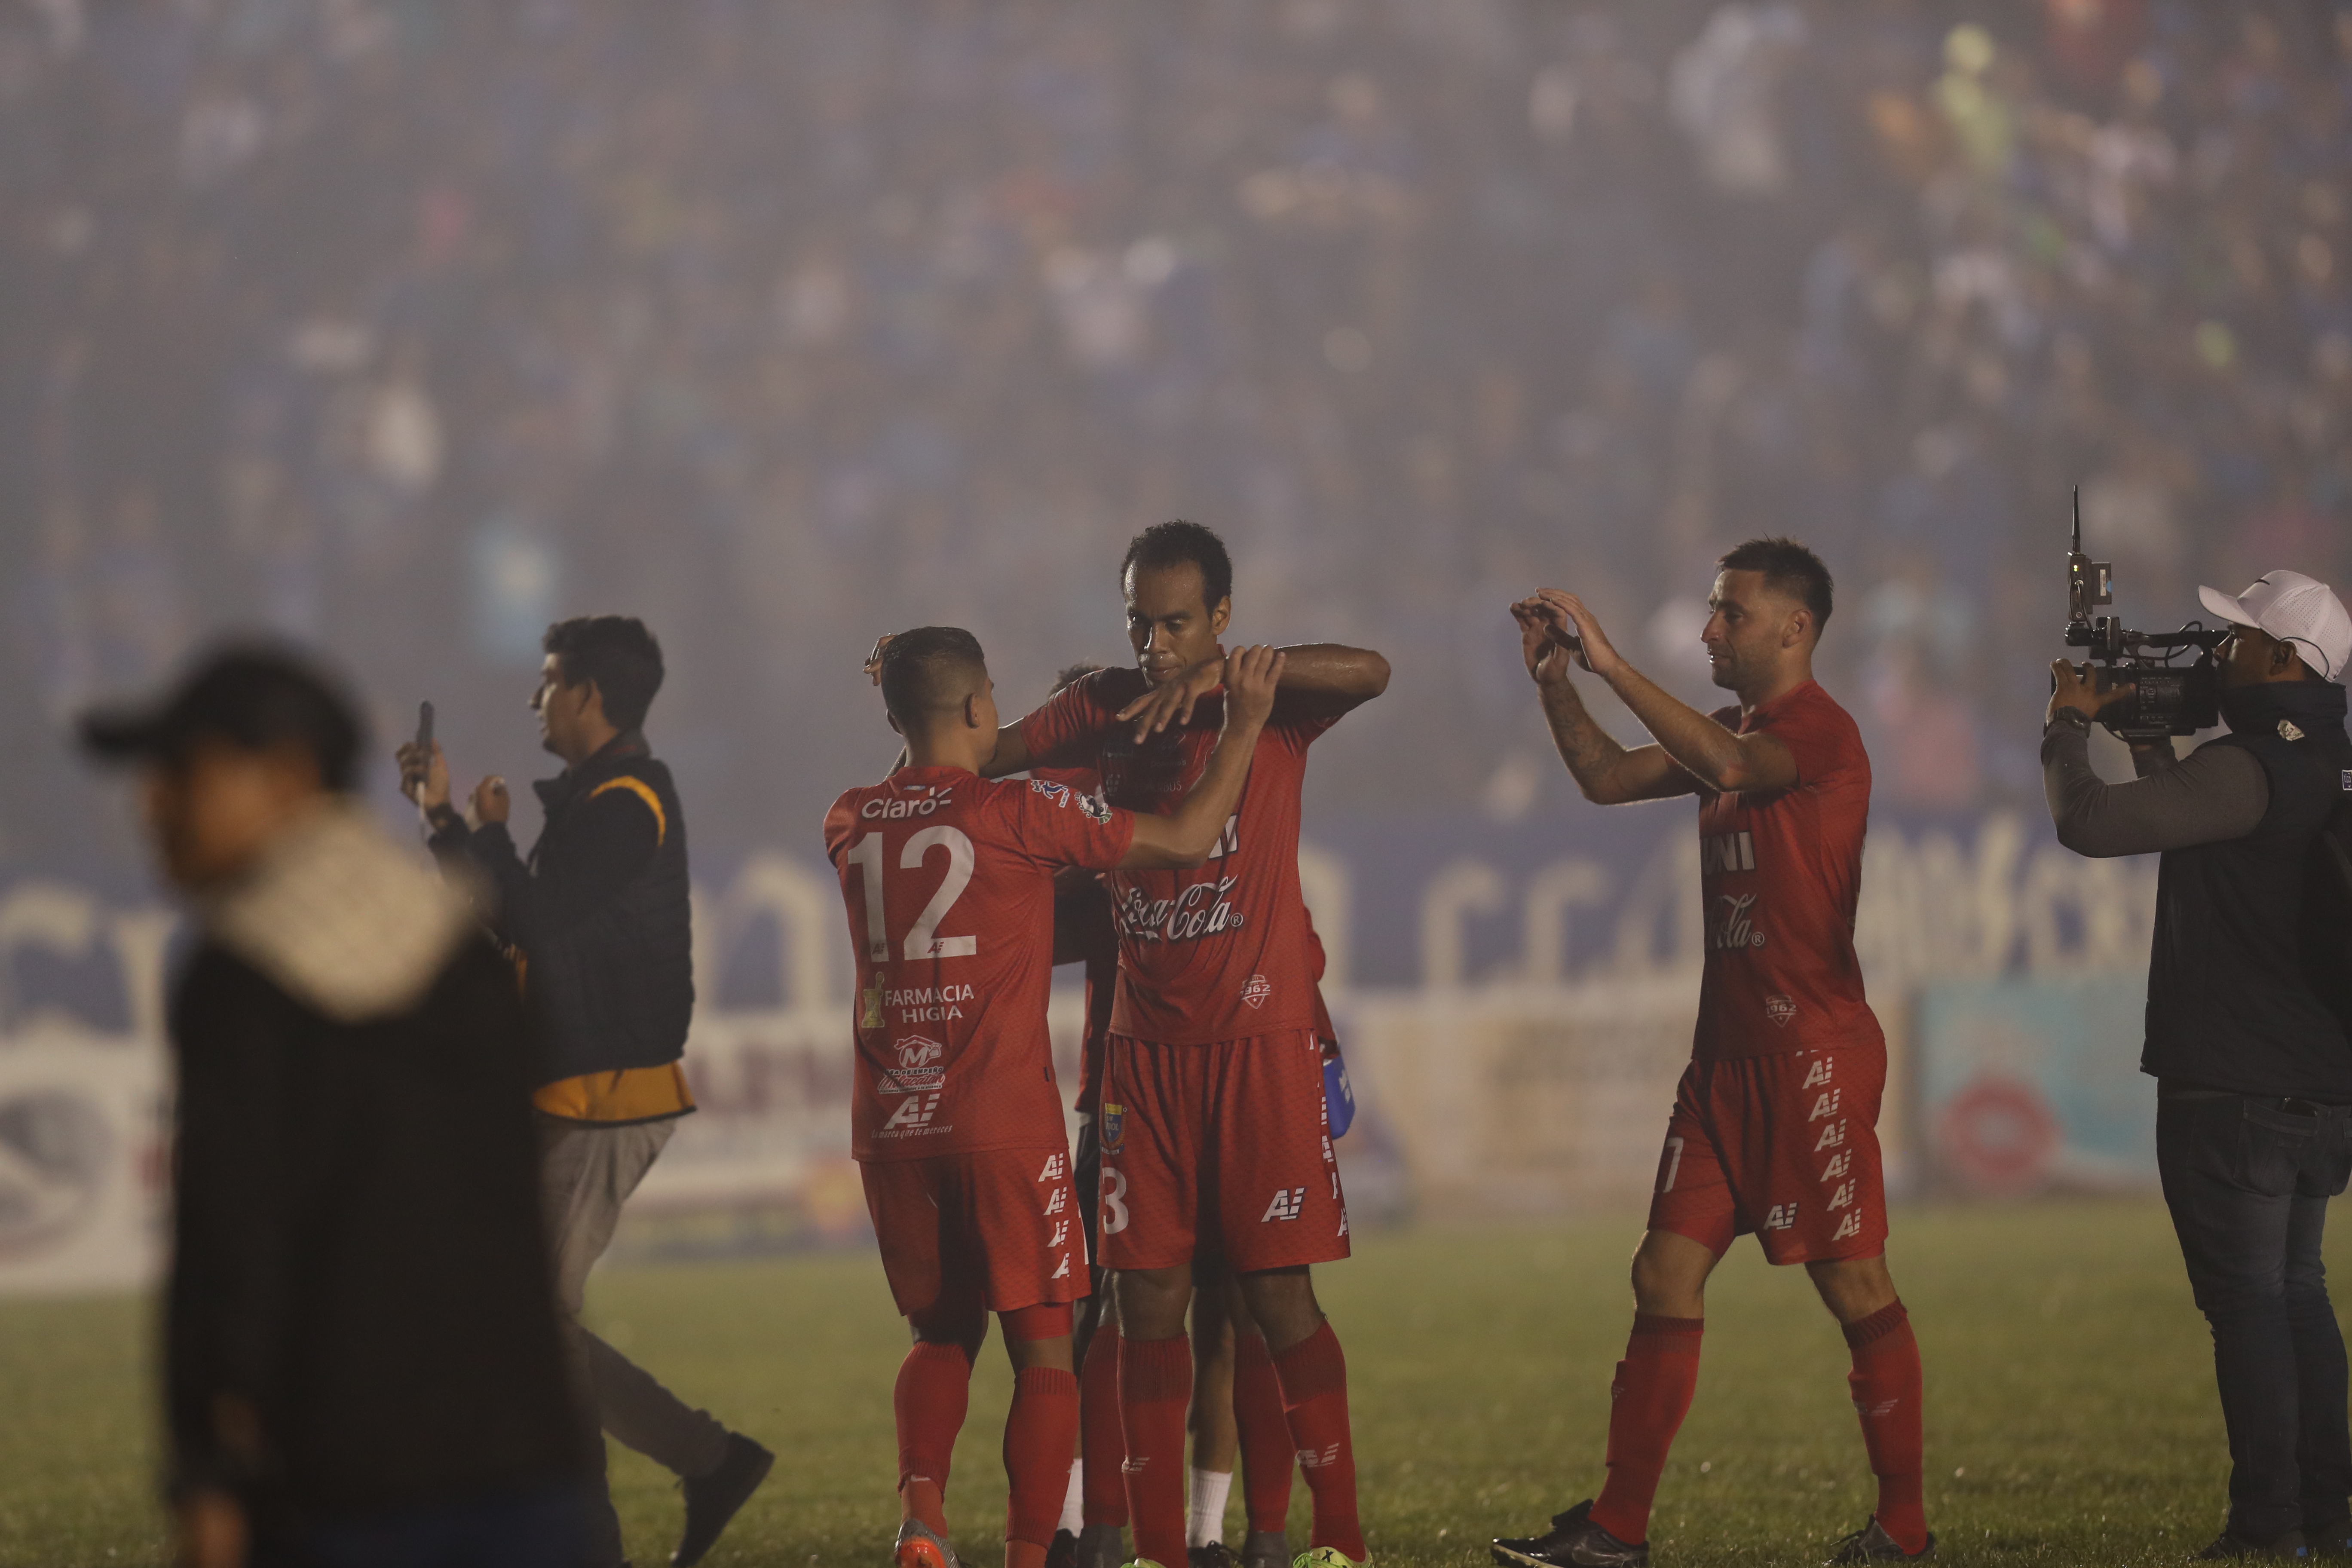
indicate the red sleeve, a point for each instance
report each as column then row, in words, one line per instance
column 840, row 826
column 1297, row 734
column 1056, row 826
column 1820, row 737
column 1065, row 730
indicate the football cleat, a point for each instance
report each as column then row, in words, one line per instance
column 917, row 1547
column 1101, row 1546
column 1062, row 1552
column 2226, row 1545
column 1266, row 1548
column 1870, row 1543
column 713, row 1499
column 1213, row 1555
column 1327, row 1557
column 1141, row 1562
column 1572, row 1541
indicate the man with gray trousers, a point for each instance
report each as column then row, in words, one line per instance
column 2246, row 1032
column 597, row 921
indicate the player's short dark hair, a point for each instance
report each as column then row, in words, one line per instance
column 1071, row 674
column 928, row 669
column 1788, row 568
column 1172, row 544
column 618, row 654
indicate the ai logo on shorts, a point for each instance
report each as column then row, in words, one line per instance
column 1288, row 1202
column 1114, row 1128
column 1781, row 1216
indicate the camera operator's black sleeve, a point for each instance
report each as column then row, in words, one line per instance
column 2216, row 793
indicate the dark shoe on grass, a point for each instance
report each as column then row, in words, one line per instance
column 713, row 1499
column 2226, row 1545
column 1573, row 1542
column 1870, row 1543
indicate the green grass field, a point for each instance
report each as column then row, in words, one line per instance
column 2071, row 1411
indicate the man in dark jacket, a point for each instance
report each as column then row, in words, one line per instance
column 360, row 1354
column 598, row 922
column 2253, row 1120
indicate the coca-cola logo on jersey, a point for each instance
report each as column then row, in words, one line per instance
column 1199, row 909
column 1731, row 925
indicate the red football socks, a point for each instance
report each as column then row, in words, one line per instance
column 1265, row 1433
column 1102, row 1443
column 934, row 1386
column 1887, row 1387
column 1647, row 1402
column 1314, row 1378
column 1038, row 1436
column 1155, row 1388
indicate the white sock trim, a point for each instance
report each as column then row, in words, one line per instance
column 1074, row 1501
column 1206, row 1520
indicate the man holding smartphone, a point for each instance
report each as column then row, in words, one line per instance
column 598, row 922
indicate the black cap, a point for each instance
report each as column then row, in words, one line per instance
column 254, row 696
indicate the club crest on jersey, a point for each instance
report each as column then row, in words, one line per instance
column 1780, row 1009
column 1114, row 1128
column 1256, row 991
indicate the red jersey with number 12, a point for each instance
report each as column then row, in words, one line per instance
column 948, row 879
column 1222, row 952
column 1783, row 873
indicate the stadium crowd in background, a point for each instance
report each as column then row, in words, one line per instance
column 390, row 316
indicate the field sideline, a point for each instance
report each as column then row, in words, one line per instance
column 2071, row 1411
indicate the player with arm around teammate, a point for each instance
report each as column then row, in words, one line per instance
column 1214, row 1135
column 1773, row 1127
column 955, row 1120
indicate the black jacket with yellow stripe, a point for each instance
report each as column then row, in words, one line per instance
column 599, row 917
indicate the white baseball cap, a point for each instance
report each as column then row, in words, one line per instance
column 2293, row 609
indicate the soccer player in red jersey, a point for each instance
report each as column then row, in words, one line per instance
column 1774, row 1126
column 1212, row 1121
column 955, row 1120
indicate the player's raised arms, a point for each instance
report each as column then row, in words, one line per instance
column 1184, row 838
column 1694, row 751
column 1323, row 679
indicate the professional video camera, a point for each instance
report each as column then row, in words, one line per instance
column 2169, row 697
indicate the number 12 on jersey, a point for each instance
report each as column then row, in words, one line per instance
column 922, row 938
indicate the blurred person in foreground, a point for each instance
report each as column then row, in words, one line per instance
column 949, row 884
column 2246, row 1019
column 1774, row 1129
column 1214, row 1131
column 598, row 923
column 361, row 1355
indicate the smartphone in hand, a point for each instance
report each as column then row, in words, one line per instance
column 425, row 728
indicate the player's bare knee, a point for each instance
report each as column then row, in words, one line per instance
column 1669, row 1275
column 1281, row 1301
column 1852, row 1287
column 1151, row 1302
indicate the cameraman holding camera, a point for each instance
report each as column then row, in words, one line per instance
column 2244, row 1040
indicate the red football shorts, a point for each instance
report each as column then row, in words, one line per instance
column 997, row 1229
column 1220, row 1150
column 1785, row 1146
